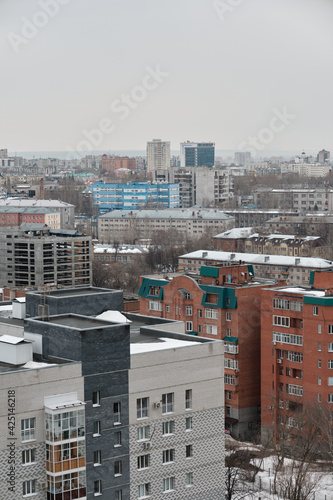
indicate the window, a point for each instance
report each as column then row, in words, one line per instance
column 228, row 332
column 330, row 381
column 296, row 357
column 330, row 364
column 28, row 429
column 189, row 479
column 319, row 346
column 286, row 338
column 28, row 456
column 319, row 363
column 319, row 398
column 167, row 402
column 199, row 328
column 118, row 495
column 211, row 313
column 189, row 423
column 96, row 398
column 188, row 310
column 97, row 428
column 189, row 451
column 281, row 304
column 319, row 380
column 281, row 321
column 155, row 305
column 97, row 457
column 169, row 484
column 232, row 364
column 330, row 328
column 188, row 399
column 116, row 413
column 189, row 326
column 330, row 347
column 142, row 407
column 142, row 433
column 29, row 487
column 167, row 309
column 97, row 487
column 168, row 456
column 315, row 310
column 117, row 439
column 143, row 490
column 168, row 427
column 118, row 468
column 319, row 328
column 211, row 329
column 228, row 316
column 199, row 313
column 330, row 398
column 143, row 461
column 296, row 390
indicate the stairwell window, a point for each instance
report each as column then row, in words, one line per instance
column 228, row 316
column 315, row 310
column 188, row 399
column 96, row 398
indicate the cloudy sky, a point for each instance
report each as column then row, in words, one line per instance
column 112, row 74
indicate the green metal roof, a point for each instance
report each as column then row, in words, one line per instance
column 319, row 301
column 209, row 271
column 234, row 340
column 145, row 288
column 311, row 278
column 223, row 294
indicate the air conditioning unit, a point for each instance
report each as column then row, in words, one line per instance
column 43, row 485
column 279, row 360
column 146, row 446
column 157, row 405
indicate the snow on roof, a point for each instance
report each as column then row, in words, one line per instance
column 163, row 343
column 6, row 308
column 312, row 293
column 10, row 339
column 253, row 258
column 37, row 364
column 236, row 233
column 19, row 299
column 126, row 249
column 114, row 316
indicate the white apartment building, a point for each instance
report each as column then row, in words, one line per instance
column 158, row 155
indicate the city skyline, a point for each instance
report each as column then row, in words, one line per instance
column 238, row 74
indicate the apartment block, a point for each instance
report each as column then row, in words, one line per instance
column 133, row 195
column 296, row 350
column 296, row 270
column 120, row 225
column 158, row 155
column 254, row 218
column 34, row 255
column 112, row 163
column 312, row 225
column 320, row 198
column 220, row 302
column 98, row 407
column 247, row 240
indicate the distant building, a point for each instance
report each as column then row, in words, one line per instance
column 112, row 163
column 242, row 157
column 14, row 217
column 296, row 270
column 119, row 253
column 253, row 218
column 158, row 155
column 324, row 156
column 34, row 255
column 197, row 154
column 246, row 240
column 311, row 224
column 66, row 210
column 200, row 185
column 136, row 224
column 134, row 195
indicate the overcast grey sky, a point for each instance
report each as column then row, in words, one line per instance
column 223, row 70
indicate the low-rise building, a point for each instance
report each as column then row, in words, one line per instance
column 296, row 270
column 120, row 225
column 14, row 217
column 118, row 253
column 66, row 210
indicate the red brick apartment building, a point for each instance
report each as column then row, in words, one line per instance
column 221, row 302
column 296, row 350
column 113, row 163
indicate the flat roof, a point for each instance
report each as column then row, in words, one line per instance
column 71, row 292
column 75, row 321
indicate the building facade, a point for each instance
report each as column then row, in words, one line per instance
column 14, row 217
column 34, row 256
column 133, row 195
column 197, row 154
column 112, row 163
column 221, row 302
column 158, row 155
column 296, row 270
column 136, row 224
column 66, row 210
column 296, row 351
